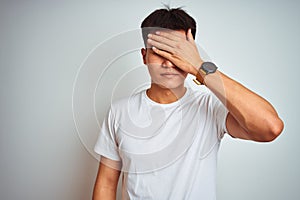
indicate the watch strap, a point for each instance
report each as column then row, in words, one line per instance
column 205, row 69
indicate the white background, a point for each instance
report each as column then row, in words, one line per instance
column 44, row 43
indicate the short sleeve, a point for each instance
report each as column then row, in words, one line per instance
column 220, row 115
column 106, row 144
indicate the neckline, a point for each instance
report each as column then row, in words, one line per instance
column 166, row 104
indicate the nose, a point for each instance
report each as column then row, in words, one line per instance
column 167, row 63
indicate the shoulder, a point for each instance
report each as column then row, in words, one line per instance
column 123, row 103
column 202, row 95
column 201, row 91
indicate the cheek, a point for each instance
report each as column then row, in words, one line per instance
column 152, row 68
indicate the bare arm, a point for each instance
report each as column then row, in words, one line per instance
column 107, row 180
column 250, row 116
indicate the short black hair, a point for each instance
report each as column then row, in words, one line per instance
column 168, row 18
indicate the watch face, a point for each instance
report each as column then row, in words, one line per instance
column 209, row 67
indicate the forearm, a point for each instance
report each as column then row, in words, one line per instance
column 253, row 113
column 104, row 193
column 107, row 180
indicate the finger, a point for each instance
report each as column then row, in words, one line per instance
column 175, row 60
column 162, row 40
column 162, row 53
column 159, row 45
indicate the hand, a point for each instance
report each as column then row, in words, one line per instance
column 178, row 48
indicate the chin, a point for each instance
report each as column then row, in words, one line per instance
column 171, row 85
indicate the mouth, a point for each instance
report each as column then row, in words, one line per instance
column 169, row 75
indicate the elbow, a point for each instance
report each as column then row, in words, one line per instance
column 275, row 129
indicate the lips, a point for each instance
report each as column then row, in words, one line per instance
column 169, row 75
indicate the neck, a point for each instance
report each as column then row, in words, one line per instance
column 165, row 95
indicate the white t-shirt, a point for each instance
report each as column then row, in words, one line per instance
column 168, row 151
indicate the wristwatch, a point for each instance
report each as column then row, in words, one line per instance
column 205, row 69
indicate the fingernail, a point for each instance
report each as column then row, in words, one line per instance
column 149, row 35
column 157, row 32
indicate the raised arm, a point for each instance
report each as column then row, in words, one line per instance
column 250, row 116
column 107, row 180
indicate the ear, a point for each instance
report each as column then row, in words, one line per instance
column 144, row 53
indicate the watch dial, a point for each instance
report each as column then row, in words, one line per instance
column 209, row 67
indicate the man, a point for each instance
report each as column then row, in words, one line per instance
column 165, row 139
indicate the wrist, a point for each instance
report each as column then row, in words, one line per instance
column 205, row 69
column 199, row 78
column 196, row 68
